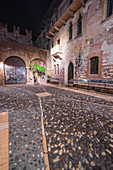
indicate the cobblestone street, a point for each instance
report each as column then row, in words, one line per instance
column 78, row 128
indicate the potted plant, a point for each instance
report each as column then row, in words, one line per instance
column 49, row 77
column 38, row 71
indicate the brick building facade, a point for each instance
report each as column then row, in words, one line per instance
column 16, row 55
column 81, row 33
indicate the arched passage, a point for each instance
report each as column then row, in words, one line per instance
column 70, row 71
column 15, row 70
column 39, row 62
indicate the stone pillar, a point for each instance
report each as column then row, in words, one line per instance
column 30, row 78
column 2, row 81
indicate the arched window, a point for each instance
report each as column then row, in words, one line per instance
column 70, row 71
column 52, row 44
column 58, row 68
column 70, row 31
column 79, row 25
column 94, row 65
column 55, row 69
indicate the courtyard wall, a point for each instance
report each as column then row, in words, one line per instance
column 29, row 54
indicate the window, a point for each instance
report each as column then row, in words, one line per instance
column 58, row 41
column 70, row 31
column 94, row 65
column 58, row 68
column 55, row 68
column 79, row 25
column 52, row 44
column 47, row 46
column 109, row 8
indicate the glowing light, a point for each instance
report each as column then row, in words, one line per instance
column 1, row 64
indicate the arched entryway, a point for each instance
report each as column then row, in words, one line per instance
column 15, row 70
column 70, row 71
column 39, row 62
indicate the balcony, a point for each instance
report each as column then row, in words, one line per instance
column 56, row 51
column 66, row 12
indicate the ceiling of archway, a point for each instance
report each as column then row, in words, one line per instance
column 15, row 61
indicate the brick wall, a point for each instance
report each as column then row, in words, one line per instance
column 96, row 40
column 15, row 36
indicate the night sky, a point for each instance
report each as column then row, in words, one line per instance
column 24, row 13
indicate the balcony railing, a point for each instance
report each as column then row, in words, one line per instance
column 59, row 13
column 64, row 13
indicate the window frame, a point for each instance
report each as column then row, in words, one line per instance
column 58, row 41
column 109, row 11
column 79, row 25
column 52, row 44
column 55, row 69
column 94, row 65
column 58, row 68
column 70, row 31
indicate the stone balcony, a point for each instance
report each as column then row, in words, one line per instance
column 56, row 51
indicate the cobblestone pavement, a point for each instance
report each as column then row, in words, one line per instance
column 25, row 133
column 79, row 129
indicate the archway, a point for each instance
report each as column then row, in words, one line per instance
column 15, row 70
column 70, row 71
column 39, row 62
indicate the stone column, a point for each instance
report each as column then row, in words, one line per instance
column 30, row 78
column 2, row 78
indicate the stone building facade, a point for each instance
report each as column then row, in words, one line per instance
column 81, row 33
column 16, row 55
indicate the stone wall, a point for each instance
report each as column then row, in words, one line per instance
column 96, row 40
column 28, row 54
column 15, row 36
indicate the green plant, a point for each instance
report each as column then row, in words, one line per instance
column 48, row 76
column 38, row 69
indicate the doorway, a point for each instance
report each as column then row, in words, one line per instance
column 15, row 70
column 70, row 71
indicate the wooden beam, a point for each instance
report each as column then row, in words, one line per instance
column 52, row 33
column 71, row 12
column 82, row 2
column 56, row 28
column 63, row 21
column 48, row 37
